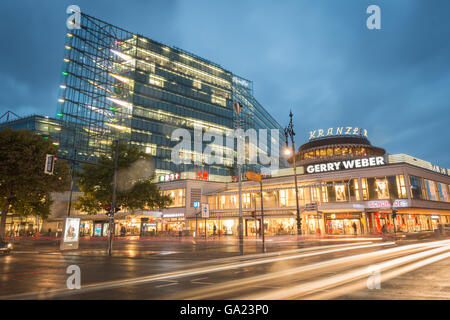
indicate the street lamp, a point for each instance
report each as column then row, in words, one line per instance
column 289, row 131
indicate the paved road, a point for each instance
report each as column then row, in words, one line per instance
column 309, row 269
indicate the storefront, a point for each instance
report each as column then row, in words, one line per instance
column 344, row 223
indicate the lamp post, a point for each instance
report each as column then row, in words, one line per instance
column 238, row 108
column 289, row 132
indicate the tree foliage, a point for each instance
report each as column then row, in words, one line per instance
column 136, row 189
column 24, row 187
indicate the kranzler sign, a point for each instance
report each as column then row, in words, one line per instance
column 345, row 165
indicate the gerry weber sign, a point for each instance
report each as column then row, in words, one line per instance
column 345, row 165
column 338, row 131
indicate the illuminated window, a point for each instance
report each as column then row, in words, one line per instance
column 178, row 197
column 401, row 188
column 324, row 194
column 197, row 84
column 283, row 198
column 329, row 152
column 443, row 193
column 381, row 189
column 431, row 190
column 323, row 153
column 355, row 190
column 219, row 100
column 337, row 151
column 341, row 194
column 364, row 189
column 157, row 81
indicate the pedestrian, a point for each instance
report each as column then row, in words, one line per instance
column 355, row 229
column 383, row 229
column 214, row 229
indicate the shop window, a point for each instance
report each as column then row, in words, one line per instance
column 344, row 151
column 354, row 190
column 178, row 197
column 378, row 188
column 337, row 151
column 324, row 194
column 417, row 190
column 401, row 187
column 431, row 190
column 341, row 192
column 283, row 198
column 315, row 192
column 443, row 192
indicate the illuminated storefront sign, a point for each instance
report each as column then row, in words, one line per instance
column 169, row 177
column 333, row 216
column 399, row 203
column 173, row 215
column 345, row 165
column 202, row 175
column 439, row 170
column 338, row 131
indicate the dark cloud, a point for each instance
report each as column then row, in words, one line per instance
column 316, row 57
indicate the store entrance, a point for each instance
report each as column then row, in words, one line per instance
column 344, row 226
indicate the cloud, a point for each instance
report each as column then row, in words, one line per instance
column 315, row 57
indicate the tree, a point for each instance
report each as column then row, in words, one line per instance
column 24, row 187
column 135, row 187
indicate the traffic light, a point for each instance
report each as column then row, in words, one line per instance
column 49, row 164
column 117, row 208
column 108, row 209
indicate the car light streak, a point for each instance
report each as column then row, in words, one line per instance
column 308, row 288
column 190, row 272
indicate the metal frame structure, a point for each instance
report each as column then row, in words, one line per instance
column 96, row 99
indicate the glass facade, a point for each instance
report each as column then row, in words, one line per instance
column 120, row 85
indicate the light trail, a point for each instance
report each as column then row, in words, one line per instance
column 323, row 284
column 384, row 277
column 192, row 272
column 231, row 286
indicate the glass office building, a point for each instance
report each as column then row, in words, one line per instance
column 124, row 86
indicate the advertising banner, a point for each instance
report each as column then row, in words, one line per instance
column 71, row 234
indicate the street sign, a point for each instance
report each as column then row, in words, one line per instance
column 49, row 164
column 253, row 176
column 311, row 206
column 205, row 210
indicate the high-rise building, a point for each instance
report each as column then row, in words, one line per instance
column 124, row 86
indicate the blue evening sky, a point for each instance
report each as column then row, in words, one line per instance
column 315, row 57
